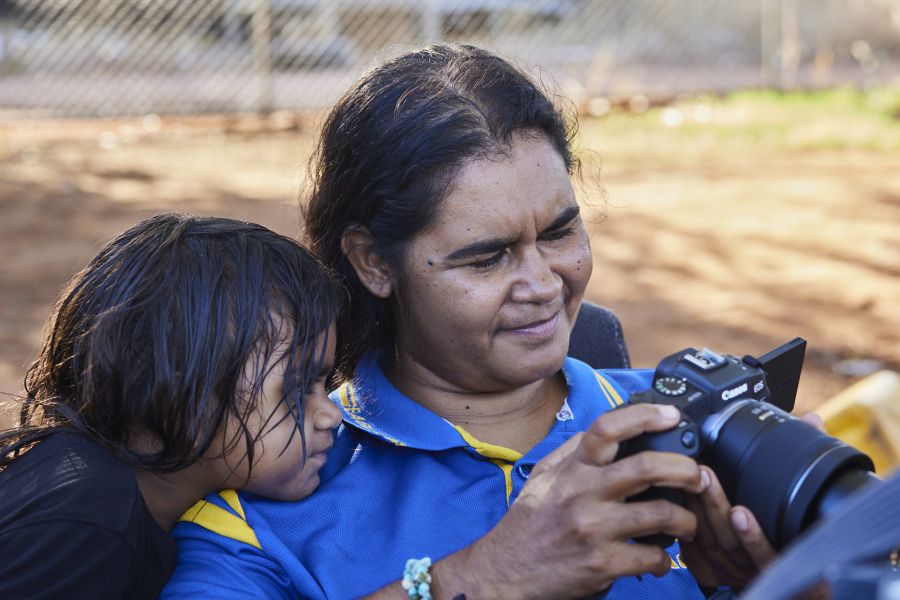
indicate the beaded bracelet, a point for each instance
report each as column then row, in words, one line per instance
column 416, row 579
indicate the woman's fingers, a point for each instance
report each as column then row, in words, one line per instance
column 601, row 441
column 730, row 547
column 735, row 528
column 694, row 552
column 814, row 420
column 634, row 474
column 708, row 563
column 654, row 516
column 753, row 540
column 716, row 507
column 552, row 460
column 637, row 559
column 572, row 504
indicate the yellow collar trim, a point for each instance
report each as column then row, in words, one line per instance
column 612, row 396
column 218, row 520
column 488, row 450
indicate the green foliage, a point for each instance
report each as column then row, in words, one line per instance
column 837, row 119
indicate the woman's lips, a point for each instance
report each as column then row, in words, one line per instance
column 537, row 329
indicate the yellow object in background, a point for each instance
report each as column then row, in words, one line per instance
column 867, row 415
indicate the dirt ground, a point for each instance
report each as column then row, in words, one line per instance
column 737, row 243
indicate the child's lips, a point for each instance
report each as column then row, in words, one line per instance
column 322, row 452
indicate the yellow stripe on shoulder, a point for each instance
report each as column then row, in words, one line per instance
column 612, row 396
column 220, row 521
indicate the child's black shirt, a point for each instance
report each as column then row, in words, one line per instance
column 73, row 524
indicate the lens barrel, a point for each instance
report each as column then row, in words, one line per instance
column 785, row 471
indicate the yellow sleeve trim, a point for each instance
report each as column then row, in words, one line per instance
column 488, row 450
column 220, row 521
column 612, row 396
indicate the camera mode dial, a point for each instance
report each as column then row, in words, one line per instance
column 670, row 386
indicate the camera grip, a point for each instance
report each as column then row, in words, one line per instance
column 683, row 439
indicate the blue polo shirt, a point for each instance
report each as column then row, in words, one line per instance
column 400, row 482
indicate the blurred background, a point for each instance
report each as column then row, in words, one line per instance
column 748, row 151
column 119, row 57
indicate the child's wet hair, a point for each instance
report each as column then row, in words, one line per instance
column 170, row 330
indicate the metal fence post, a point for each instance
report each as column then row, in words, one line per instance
column 262, row 55
column 6, row 33
column 770, row 43
column 789, row 52
column 328, row 18
column 431, row 21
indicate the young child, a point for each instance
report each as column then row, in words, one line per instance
column 191, row 355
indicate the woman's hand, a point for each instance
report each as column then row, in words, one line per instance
column 568, row 533
column 730, row 547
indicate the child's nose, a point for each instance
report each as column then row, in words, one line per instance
column 327, row 415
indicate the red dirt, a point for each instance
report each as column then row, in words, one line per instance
column 699, row 247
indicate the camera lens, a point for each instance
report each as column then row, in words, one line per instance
column 785, row 471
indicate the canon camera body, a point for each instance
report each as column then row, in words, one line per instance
column 735, row 419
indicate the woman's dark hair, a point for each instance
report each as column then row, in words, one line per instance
column 170, row 330
column 390, row 150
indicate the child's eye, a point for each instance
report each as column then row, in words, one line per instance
column 487, row 263
column 319, row 382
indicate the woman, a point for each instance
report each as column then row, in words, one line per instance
column 443, row 199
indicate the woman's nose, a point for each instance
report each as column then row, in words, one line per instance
column 537, row 282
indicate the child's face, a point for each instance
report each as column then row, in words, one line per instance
column 279, row 471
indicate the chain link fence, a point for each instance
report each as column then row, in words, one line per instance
column 125, row 57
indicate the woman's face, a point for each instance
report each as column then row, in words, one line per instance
column 488, row 293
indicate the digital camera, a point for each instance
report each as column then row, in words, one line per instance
column 735, row 420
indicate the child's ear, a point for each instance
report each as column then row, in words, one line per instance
column 373, row 271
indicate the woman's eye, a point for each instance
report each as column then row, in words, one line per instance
column 489, row 262
column 559, row 234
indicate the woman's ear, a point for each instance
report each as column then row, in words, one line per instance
column 373, row 271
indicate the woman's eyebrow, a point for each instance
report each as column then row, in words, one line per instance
column 564, row 218
column 491, row 245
